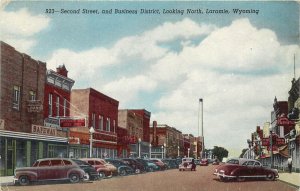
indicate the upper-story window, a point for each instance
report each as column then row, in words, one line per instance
column 108, row 124
column 50, row 104
column 57, row 106
column 100, row 123
column 16, row 98
column 93, row 120
column 65, row 107
column 32, row 95
column 114, row 125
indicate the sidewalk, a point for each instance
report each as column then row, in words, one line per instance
column 292, row 179
column 6, row 180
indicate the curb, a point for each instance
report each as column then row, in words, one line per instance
column 290, row 184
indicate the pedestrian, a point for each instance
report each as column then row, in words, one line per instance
column 290, row 164
column 193, row 165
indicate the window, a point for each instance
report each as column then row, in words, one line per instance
column 98, row 163
column 56, row 163
column 45, row 163
column 65, row 107
column 90, row 162
column 108, row 124
column 250, row 163
column 32, row 95
column 67, row 162
column 16, row 98
column 114, row 125
column 257, row 164
column 50, row 104
column 57, row 106
column 100, row 123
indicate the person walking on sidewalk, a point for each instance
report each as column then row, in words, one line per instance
column 290, row 164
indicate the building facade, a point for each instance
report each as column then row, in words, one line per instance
column 101, row 112
column 23, row 137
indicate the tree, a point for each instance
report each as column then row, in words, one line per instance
column 219, row 152
column 243, row 152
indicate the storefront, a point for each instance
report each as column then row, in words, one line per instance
column 23, row 149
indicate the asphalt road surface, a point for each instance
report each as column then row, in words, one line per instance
column 169, row 180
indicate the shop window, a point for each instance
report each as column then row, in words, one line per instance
column 21, row 153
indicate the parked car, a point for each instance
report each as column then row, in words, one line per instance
column 148, row 165
column 103, row 168
column 249, row 169
column 49, row 169
column 171, row 163
column 216, row 162
column 122, row 168
column 159, row 163
column 197, row 161
column 203, row 162
column 91, row 172
column 186, row 164
column 136, row 165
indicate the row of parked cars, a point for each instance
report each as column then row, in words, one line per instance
column 75, row 170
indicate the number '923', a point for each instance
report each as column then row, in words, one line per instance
column 49, row 11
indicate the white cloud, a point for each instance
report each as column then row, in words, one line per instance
column 18, row 28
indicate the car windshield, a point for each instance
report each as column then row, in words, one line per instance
column 232, row 161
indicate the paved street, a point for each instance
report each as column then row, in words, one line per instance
column 170, row 180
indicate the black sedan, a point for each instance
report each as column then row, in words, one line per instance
column 123, row 169
column 91, row 172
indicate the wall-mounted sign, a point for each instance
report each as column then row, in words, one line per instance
column 51, row 122
column 71, row 122
column 36, row 129
column 74, row 140
column 34, row 106
column 284, row 121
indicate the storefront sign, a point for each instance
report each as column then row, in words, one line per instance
column 69, row 122
column 284, row 121
column 34, row 106
column 36, row 129
column 74, row 140
column 105, row 137
column 51, row 122
column 84, row 138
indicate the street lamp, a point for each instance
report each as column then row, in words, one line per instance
column 202, row 133
column 150, row 150
column 162, row 151
column 92, row 131
column 271, row 147
column 188, row 152
column 178, row 151
column 165, row 150
column 140, row 147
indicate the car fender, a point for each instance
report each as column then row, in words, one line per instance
column 31, row 175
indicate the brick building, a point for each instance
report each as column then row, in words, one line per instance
column 23, row 138
column 101, row 113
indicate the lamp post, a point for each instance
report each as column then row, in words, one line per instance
column 150, row 150
column 165, row 150
column 271, row 148
column 140, row 147
column 162, row 151
column 202, row 133
column 92, row 131
column 178, row 151
column 188, row 152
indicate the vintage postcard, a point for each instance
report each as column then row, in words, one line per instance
column 149, row 95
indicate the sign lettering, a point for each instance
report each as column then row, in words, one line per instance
column 72, row 122
column 36, row 129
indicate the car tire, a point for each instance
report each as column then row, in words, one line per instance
column 270, row 177
column 123, row 172
column 74, row 178
column 240, row 179
column 86, row 177
column 137, row 171
column 24, row 180
column 109, row 175
column 101, row 175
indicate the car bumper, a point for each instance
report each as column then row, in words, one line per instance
column 15, row 180
column 223, row 175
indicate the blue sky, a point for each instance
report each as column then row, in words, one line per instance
column 164, row 63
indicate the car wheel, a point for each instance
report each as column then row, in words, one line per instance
column 109, row 175
column 74, row 178
column 137, row 171
column 101, row 175
column 270, row 176
column 240, row 179
column 23, row 180
column 122, row 172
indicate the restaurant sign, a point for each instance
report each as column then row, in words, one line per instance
column 36, row 129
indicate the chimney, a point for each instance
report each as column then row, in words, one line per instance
column 62, row 70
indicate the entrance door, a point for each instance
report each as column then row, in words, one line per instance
column 10, row 156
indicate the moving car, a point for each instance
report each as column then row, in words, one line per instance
column 203, row 162
column 216, row 162
column 91, row 172
column 159, row 163
column 186, row 164
column 122, row 168
column 49, row 169
column 103, row 168
column 171, row 163
column 249, row 169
